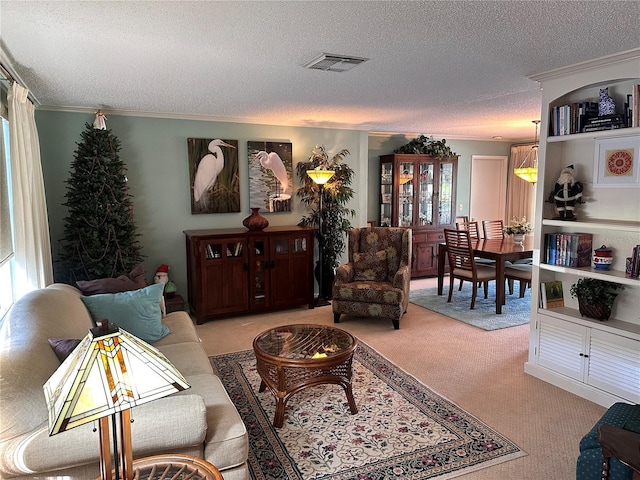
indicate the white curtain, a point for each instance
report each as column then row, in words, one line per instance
column 32, row 247
column 521, row 195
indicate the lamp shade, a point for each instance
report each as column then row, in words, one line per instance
column 108, row 372
column 530, row 174
column 320, row 176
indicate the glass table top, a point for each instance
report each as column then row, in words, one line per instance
column 304, row 341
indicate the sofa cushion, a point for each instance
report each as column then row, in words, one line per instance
column 370, row 267
column 63, row 346
column 226, row 443
column 138, row 311
column 124, row 283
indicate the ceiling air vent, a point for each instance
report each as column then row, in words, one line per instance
column 334, row 63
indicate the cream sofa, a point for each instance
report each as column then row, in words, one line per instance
column 201, row 421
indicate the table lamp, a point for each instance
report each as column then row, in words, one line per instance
column 109, row 372
column 320, row 177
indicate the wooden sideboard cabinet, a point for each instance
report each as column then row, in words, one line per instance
column 236, row 271
column 419, row 192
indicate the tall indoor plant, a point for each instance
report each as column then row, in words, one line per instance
column 335, row 217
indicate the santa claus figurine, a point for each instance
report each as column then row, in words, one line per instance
column 567, row 192
column 162, row 274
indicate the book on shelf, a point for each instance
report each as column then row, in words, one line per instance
column 568, row 249
column 635, row 107
column 633, row 269
column 551, row 294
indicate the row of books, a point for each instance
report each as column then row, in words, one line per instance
column 569, row 119
column 633, row 263
column 580, row 117
column 568, row 249
column 551, row 294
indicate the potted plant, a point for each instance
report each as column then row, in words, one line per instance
column 595, row 297
column 518, row 228
column 335, row 217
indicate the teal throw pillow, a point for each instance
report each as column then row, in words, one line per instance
column 136, row 311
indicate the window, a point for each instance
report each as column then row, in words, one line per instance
column 6, row 230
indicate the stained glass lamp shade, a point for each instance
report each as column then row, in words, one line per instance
column 108, row 373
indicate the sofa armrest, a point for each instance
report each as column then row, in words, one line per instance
column 402, row 278
column 162, row 425
column 344, row 274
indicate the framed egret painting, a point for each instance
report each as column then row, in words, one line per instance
column 270, row 176
column 213, row 173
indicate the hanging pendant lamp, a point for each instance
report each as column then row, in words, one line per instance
column 530, row 174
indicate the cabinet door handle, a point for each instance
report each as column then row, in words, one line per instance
column 584, row 355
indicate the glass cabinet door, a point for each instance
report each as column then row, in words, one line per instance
column 425, row 202
column 405, row 215
column 446, row 206
column 386, row 193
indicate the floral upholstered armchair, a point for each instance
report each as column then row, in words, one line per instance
column 375, row 282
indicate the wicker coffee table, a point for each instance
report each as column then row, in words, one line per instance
column 293, row 357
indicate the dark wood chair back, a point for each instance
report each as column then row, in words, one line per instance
column 493, row 229
column 471, row 227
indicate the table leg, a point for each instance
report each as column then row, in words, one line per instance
column 278, row 419
column 500, row 297
column 441, row 259
column 352, row 403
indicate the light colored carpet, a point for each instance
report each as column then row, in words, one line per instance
column 402, row 428
column 514, row 312
column 480, row 371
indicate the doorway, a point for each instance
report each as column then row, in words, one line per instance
column 488, row 193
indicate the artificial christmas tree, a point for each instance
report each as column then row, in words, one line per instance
column 100, row 238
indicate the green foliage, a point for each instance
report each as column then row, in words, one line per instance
column 427, row 146
column 100, row 238
column 590, row 290
column 336, row 194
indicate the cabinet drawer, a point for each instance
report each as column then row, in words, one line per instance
column 419, row 237
column 435, row 237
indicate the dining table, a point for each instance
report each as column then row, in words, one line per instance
column 501, row 250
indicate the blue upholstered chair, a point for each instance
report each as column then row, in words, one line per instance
column 589, row 465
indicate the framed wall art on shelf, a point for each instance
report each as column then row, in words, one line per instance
column 617, row 162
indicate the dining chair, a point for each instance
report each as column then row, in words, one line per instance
column 463, row 266
column 492, row 229
column 462, row 219
column 520, row 272
column 471, row 227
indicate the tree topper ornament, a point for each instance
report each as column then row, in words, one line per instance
column 99, row 122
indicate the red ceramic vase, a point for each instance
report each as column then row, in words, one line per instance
column 255, row 221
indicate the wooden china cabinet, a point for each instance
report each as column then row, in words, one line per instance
column 419, row 192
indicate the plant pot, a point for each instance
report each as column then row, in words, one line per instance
column 518, row 238
column 328, row 276
column 597, row 310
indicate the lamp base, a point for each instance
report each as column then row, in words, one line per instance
column 322, row 302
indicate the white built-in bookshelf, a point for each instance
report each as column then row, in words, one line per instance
column 598, row 360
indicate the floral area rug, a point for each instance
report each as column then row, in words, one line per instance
column 403, row 430
column 516, row 311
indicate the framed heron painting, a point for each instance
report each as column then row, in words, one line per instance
column 213, row 173
column 270, row 176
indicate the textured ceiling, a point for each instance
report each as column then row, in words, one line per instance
column 456, row 69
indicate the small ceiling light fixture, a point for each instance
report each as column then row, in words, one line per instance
column 334, row 63
column 530, row 174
